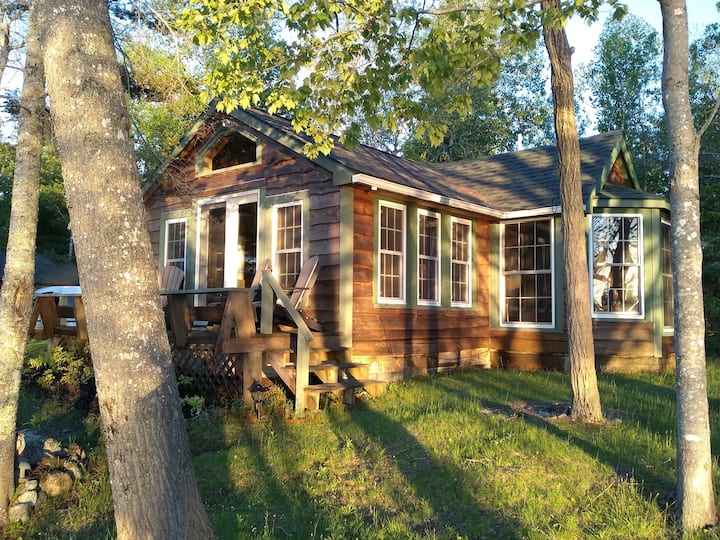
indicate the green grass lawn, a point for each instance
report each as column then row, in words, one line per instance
column 452, row 456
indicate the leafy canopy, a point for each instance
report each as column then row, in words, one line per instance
column 332, row 62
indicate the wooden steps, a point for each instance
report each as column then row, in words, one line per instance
column 340, row 378
column 345, row 390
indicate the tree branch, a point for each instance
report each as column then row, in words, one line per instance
column 710, row 118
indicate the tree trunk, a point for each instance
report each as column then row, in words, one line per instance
column 152, row 479
column 696, row 504
column 581, row 349
column 17, row 286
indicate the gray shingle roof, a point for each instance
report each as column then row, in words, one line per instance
column 514, row 181
column 48, row 271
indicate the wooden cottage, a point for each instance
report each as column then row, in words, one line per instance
column 422, row 267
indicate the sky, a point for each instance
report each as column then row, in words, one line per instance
column 583, row 37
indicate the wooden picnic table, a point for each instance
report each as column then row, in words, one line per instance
column 59, row 317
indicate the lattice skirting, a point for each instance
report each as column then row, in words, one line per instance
column 212, row 374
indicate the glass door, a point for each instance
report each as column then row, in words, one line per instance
column 228, row 241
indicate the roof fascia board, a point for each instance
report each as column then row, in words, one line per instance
column 157, row 173
column 620, row 149
column 379, row 183
column 535, row 212
column 341, row 174
column 632, row 203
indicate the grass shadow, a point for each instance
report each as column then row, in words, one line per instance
column 431, row 488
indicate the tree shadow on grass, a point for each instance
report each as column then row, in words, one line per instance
column 435, row 493
column 258, row 489
column 631, row 460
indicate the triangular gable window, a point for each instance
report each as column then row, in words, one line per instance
column 228, row 150
column 233, row 150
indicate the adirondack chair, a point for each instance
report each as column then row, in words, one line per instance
column 299, row 295
column 170, row 278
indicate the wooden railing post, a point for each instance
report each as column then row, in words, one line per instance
column 267, row 304
column 302, row 353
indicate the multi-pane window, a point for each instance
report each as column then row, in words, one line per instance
column 428, row 258
column 527, row 272
column 392, row 253
column 288, row 243
column 175, row 242
column 460, row 255
column 667, row 276
column 616, row 264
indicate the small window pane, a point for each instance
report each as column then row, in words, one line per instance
column 512, row 259
column 511, row 235
column 512, row 309
column 542, row 232
column 527, row 258
column 528, row 285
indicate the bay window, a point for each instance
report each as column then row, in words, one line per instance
column 667, row 278
column 460, row 250
column 428, row 273
column 288, row 243
column 175, row 242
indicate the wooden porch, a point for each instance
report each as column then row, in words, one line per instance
column 236, row 343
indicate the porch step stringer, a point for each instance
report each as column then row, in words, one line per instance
column 341, row 378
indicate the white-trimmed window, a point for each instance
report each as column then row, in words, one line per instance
column 288, row 243
column 616, row 265
column 428, row 275
column 460, row 263
column 527, row 268
column 176, row 242
column 391, row 234
column 668, row 305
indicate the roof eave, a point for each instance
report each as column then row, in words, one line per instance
column 428, row 196
column 618, row 202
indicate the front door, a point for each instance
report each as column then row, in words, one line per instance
column 229, row 231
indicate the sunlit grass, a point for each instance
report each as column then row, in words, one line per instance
column 449, row 457
column 443, row 457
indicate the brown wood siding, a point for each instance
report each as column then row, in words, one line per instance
column 280, row 171
column 619, row 346
column 402, row 341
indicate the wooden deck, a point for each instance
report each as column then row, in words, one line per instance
column 236, row 340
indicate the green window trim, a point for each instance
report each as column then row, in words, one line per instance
column 205, row 156
column 527, row 274
column 407, row 255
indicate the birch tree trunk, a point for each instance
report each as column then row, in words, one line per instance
column 581, row 349
column 17, row 286
column 152, row 478
column 696, row 503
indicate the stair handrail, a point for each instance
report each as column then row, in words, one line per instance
column 302, row 327
column 302, row 363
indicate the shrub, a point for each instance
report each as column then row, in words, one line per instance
column 63, row 370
